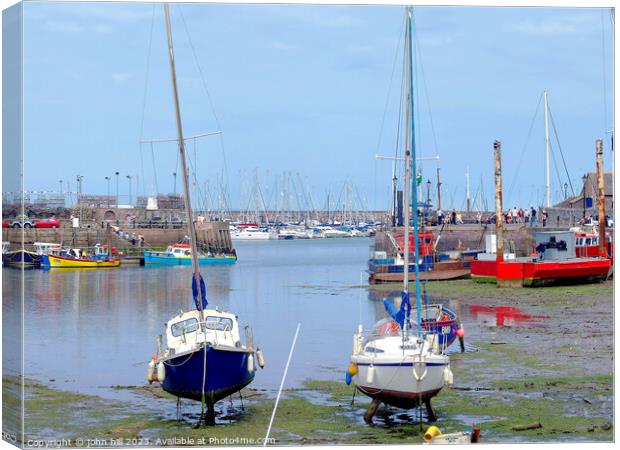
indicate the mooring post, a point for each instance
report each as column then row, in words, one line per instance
column 499, row 214
column 600, row 178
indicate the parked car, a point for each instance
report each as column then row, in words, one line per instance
column 22, row 222
column 47, row 223
column 5, row 223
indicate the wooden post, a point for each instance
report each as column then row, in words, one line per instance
column 600, row 178
column 499, row 214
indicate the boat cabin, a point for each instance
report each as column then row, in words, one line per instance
column 45, row 248
column 183, row 331
column 555, row 245
column 179, row 250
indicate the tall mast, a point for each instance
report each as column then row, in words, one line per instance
column 414, row 171
column 548, row 178
column 407, row 174
column 186, row 199
column 467, row 182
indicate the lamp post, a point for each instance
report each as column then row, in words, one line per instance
column 584, row 178
column 60, row 181
column 116, row 173
column 107, row 179
column 79, row 179
column 428, row 196
column 174, row 188
column 129, row 177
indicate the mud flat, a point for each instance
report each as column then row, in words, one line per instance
column 556, row 371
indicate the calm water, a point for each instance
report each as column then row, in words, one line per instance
column 90, row 330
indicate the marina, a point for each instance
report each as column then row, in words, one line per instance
column 460, row 294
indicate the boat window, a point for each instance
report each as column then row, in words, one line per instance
column 183, row 327
column 374, row 350
column 588, row 241
column 218, row 323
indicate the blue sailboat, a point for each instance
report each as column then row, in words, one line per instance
column 204, row 358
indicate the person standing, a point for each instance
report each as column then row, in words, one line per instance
column 533, row 215
column 453, row 216
column 544, row 217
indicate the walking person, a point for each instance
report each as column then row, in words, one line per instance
column 544, row 217
column 533, row 215
column 453, row 216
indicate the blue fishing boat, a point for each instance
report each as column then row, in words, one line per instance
column 21, row 258
column 181, row 255
column 204, row 358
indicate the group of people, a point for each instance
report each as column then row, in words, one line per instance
column 527, row 215
column 452, row 218
column 135, row 239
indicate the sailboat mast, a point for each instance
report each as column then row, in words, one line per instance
column 407, row 176
column 548, row 178
column 188, row 207
column 416, row 236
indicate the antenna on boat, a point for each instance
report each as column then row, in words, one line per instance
column 188, row 208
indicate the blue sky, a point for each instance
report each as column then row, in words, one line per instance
column 304, row 89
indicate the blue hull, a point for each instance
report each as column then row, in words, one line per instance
column 21, row 258
column 227, row 373
column 153, row 258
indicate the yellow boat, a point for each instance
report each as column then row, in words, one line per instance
column 61, row 262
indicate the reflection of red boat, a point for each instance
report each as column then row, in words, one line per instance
column 502, row 315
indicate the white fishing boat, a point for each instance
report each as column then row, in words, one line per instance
column 204, row 358
column 398, row 363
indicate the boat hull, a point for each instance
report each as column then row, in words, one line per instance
column 541, row 273
column 184, row 373
column 394, row 383
column 21, row 258
column 60, row 262
column 163, row 258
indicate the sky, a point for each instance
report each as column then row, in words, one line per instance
column 311, row 91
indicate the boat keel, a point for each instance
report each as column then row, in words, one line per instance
column 372, row 410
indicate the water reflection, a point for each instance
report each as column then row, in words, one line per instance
column 90, row 330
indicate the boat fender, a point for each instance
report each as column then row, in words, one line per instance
column 353, row 369
column 431, row 432
column 260, row 358
column 448, row 377
column 347, row 378
column 161, row 372
column 251, row 363
column 370, row 374
column 151, row 372
column 461, row 335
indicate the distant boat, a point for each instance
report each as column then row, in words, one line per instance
column 21, row 258
column 181, row 254
column 250, row 232
column 204, row 358
column 79, row 259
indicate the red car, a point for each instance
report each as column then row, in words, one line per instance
column 47, row 223
column 5, row 223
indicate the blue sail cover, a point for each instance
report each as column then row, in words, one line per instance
column 203, row 291
column 399, row 315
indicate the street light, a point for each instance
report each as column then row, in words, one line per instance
column 79, row 179
column 428, row 196
column 116, row 173
column 129, row 177
column 174, row 189
column 60, row 181
column 584, row 178
column 107, row 179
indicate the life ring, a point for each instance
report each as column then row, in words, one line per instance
column 388, row 329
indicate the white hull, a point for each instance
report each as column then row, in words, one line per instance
column 398, row 379
column 253, row 236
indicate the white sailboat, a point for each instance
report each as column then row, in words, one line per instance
column 204, row 358
column 398, row 364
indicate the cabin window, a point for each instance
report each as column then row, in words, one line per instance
column 183, row 327
column 594, row 241
column 588, row 241
column 219, row 323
